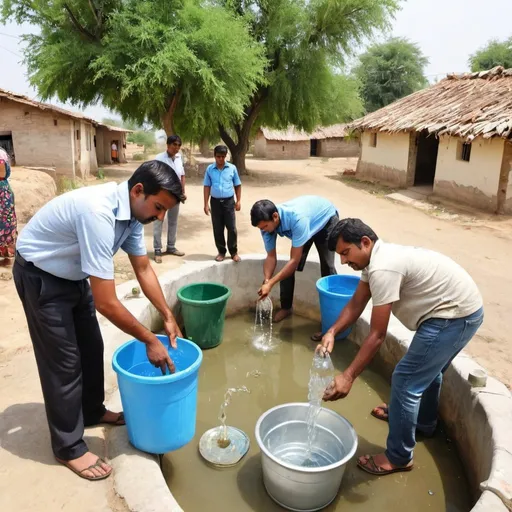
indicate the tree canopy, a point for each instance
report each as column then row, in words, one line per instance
column 149, row 60
column 202, row 67
column 306, row 43
column 494, row 53
column 389, row 71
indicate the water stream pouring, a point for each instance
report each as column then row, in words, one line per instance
column 224, row 445
column 262, row 338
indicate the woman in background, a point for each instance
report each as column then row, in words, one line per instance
column 8, row 225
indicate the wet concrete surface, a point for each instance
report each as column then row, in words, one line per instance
column 437, row 482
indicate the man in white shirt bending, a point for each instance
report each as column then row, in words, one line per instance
column 430, row 294
column 172, row 158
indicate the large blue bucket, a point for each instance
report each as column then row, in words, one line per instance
column 160, row 410
column 335, row 292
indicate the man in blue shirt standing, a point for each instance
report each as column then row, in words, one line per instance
column 70, row 242
column 173, row 159
column 222, row 183
column 306, row 220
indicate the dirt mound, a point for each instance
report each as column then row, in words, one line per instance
column 32, row 189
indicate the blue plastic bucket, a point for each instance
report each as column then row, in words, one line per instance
column 160, row 410
column 335, row 292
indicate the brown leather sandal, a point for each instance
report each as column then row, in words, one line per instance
column 96, row 465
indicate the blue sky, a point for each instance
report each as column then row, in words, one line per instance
column 447, row 31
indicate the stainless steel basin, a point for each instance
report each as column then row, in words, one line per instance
column 292, row 479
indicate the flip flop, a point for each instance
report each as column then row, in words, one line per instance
column 118, row 422
column 236, row 258
column 96, row 465
column 220, row 258
column 385, row 410
column 371, row 467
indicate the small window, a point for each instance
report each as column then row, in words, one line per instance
column 78, row 135
column 55, row 122
column 283, row 148
column 95, row 141
column 373, row 139
column 464, row 151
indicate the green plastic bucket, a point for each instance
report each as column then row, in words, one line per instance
column 203, row 306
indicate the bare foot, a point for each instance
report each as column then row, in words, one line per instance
column 381, row 412
column 220, row 257
column 281, row 315
column 88, row 466
column 236, row 258
column 158, row 257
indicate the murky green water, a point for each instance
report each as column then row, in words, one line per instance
column 437, row 482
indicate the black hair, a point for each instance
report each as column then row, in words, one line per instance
column 174, row 138
column 155, row 176
column 352, row 231
column 262, row 210
column 220, row 150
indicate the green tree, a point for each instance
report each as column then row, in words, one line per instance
column 305, row 43
column 389, row 71
column 173, row 63
column 142, row 138
column 495, row 53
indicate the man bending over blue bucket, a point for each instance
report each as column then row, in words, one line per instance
column 430, row 294
column 69, row 242
column 306, row 220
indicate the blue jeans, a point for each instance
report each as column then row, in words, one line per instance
column 416, row 381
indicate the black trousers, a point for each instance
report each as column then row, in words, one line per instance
column 223, row 217
column 326, row 261
column 69, row 353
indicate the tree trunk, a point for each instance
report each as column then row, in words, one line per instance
column 168, row 117
column 239, row 148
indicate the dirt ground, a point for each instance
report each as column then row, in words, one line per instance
column 481, row 243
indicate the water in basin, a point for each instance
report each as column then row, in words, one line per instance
column 279, row 376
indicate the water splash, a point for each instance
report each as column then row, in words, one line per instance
column 321, row 376
column 223, row 440
column 262, row 337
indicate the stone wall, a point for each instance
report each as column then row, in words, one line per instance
column 287, row 150
column 338, row 147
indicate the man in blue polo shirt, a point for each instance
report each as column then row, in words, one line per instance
column 222, row 183
column 70, row 240
column 306, row 220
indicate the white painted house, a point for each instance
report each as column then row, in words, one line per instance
column 455, row 136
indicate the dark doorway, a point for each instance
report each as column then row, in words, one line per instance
column 7, row 144
column 426, row 159
column 313, row 151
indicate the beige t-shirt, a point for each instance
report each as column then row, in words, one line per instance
column 420, row 283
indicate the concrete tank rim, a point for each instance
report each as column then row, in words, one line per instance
column 496, row 404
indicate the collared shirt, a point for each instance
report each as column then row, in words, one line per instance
column 176, row 164
column 420, row 283
column 76, row 235
column 300, row 219
column 222, row 181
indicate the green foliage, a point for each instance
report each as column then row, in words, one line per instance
column 390, row 71
column 306, row 44
column 100, row 174
column 495, row 53
column 142, row 138
column 139, row 156
column 149, row 60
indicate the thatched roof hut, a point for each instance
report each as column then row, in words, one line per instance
column 326, row 141
column 465, row 105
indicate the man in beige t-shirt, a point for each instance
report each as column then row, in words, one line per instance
column 430, row 294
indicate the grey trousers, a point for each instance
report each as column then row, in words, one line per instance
column 68, row 348
column 172, row 229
